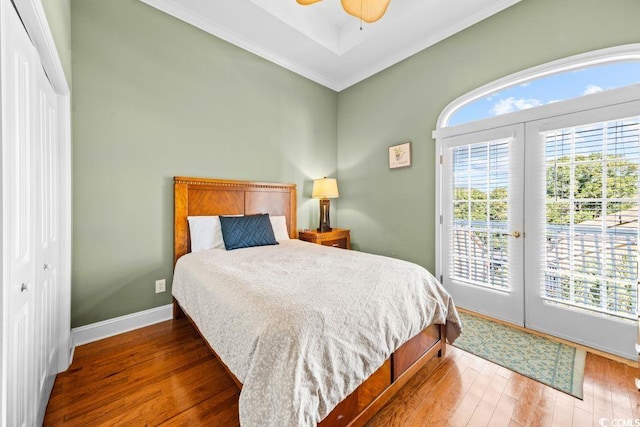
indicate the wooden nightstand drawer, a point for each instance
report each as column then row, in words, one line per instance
column 336, row 243
column 337, row 238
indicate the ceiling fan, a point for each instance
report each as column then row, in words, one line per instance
column 366, row 10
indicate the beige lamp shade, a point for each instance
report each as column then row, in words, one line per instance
column 367, row 10
column 325, row 188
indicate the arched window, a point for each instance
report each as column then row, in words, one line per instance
column 561, row 80
column 549, row 89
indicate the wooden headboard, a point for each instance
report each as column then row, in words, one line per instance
column 203, row 196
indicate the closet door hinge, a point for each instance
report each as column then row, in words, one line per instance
column 440, row 219
column 441, row 278
column 440, row 158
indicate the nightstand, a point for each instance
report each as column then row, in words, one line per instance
column 337, row 238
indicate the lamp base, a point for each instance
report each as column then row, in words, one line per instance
column 325, row 224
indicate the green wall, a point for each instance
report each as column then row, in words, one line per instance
column 392, row 212
column 154, row 98
column 59, row 18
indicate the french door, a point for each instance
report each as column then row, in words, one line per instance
column 540, row 224
column 483, row 221
column 582, row 236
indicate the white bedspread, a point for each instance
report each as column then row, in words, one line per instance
column 302, row 325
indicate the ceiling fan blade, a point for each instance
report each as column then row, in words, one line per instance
column 367, row 10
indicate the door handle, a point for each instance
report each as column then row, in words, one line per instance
column 515, row 234
column 24, row 287
column 46, row 267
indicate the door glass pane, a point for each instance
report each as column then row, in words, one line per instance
column 591, row 222
column 479, row 245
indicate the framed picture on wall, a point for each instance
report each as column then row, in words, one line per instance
column 400, row 155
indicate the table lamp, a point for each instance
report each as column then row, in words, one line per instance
column 324, row 189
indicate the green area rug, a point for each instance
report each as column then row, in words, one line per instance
column 550, row 362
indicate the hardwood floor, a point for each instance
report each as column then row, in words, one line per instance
column 165, row 375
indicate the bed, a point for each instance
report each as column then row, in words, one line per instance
column 251, row 309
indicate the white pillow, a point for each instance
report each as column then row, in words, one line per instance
column 279, row 225
column 205, row 232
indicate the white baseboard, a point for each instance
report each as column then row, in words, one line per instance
column 118, row 325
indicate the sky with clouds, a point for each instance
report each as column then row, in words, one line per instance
column 550, row 89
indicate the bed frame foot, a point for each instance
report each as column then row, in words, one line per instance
column 177, row 310
column 443, row 341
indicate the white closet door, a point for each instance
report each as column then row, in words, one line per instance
column 47, row 241
column 18, row 216
column 34, row 160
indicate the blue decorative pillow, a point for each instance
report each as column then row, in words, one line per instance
column 247, row 231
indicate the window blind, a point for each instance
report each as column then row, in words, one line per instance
column 591, row 217
column 479, row 220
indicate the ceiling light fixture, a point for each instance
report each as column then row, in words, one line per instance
column 366, row 10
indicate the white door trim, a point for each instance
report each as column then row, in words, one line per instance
column 65, row 348
column 35, row 21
